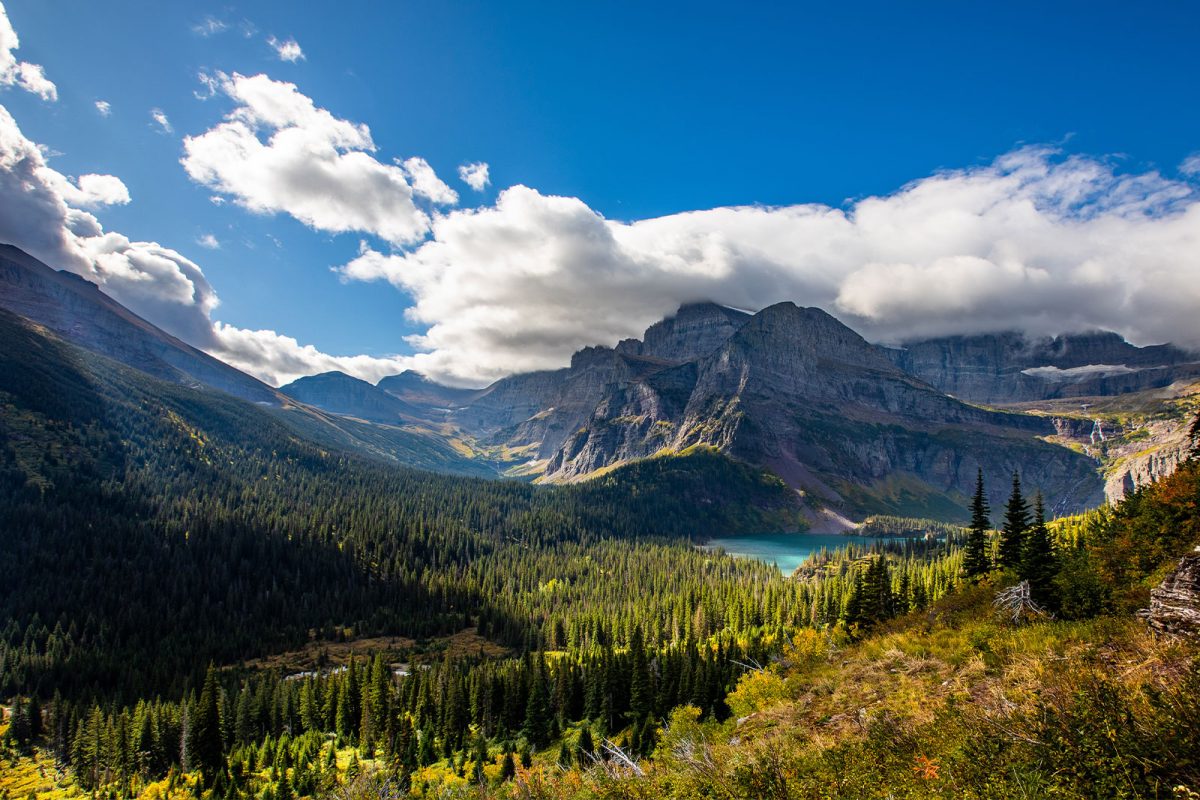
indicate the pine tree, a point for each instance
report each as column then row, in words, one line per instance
column 537, row 711
column 207, row 748
column 975, row 556
column 34, row 712
column 647, row 737
column 586, row 747
column 480, row 757
column 1038, row 563
column 641, row 693
column 1016, row 522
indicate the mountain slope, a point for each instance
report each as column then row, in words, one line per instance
column 417, row 390
column 77, row 310
column 160, row 527
column 798, row 392
column 343, row 394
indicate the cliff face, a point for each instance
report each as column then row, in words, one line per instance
column 1164, row 446
column 695, row 331
column 795, row 390
column 78, row 311
column 1010, row 368
column 541, row 412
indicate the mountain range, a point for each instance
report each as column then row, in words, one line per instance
column 854, row 428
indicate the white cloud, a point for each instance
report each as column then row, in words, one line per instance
column 88, row 191
column 30, row 77
column 104, row 108
column 210, row 83
column 426, row 183
column 42, row 216
column 311, row 165
column 1035, row 241
column 287, row 50
column 210, row 26
column 474, row 175
column 161, row 120
column 208, row 241
column 279, row 359
column 1191, row 165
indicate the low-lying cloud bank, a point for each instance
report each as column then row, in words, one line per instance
column 1035, row 241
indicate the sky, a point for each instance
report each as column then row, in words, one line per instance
column 476, row 189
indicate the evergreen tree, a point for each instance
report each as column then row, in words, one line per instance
column 1016, row 522
column 585, row 748
column 647, row 738
column 34, row 712
column 1038, row 563
column 641, row 693
column 536, row 728
column 480, row 757
column 975, row 556
column 207, row 748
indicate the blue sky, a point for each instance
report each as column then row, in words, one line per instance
column 637, row 111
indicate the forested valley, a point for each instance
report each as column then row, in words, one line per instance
column 165, row 544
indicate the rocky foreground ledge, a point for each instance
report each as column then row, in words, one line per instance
column 1175, row 603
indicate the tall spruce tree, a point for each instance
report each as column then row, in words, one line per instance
column 1038, row 563
column 976, row 561
column 1016, row 523
column 207, row 748
column 537, row 711
column 641, row 692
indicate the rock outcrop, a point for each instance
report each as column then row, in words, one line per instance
column 1011, row 368
column 796, row 391
column 1175, row 603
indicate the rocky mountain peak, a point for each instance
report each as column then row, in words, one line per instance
column 694, row 331
column 808, row 338
column 597, row 355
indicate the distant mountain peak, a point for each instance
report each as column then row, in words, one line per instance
column 344, row 394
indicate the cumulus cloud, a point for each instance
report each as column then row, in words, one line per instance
column 30, row 77
column 426, row 183
column 279, row 359
column 161, row 120
column 1035, row 241
column 278, row 152
column 1191, row 165
column 287, row 50
column 44, row 215
column 87, row 191
column 104, row 108
column 208, row 241
column 474, row 175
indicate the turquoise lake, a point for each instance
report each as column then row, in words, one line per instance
column 785, row 550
